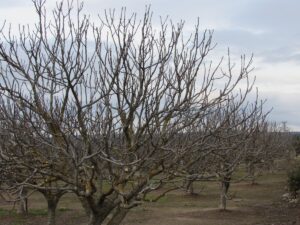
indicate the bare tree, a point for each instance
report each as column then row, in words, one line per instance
column 270, row 143
column 228, row 131
column 114, row 103
column 228, row 134
column 233, row 143
column 27, row 167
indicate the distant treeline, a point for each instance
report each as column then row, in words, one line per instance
column 296, row 136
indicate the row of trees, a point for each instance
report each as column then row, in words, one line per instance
column 251, row 153
column 114, row 110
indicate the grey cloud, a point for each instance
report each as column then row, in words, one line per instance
column 282, row 54
column 209, row 11
column 283, row 108
column 241, row 38
column 279, row 15
column 264, row 45
column 14, row 3
column 278, row 21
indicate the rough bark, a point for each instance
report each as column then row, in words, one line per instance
column 97, row 212
column 96, row 219
column 52, row 204
column 52, row 199
column 117, row 216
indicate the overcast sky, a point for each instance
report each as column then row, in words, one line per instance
column 267, row 28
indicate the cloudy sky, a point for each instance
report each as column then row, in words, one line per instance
column 267, row 28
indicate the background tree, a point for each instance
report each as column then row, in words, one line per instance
column 296, row 143
column 27, row 166
column 269, row 144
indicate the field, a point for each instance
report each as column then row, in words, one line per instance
column 259, row 204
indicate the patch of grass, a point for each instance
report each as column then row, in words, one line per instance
column 38, row 212
column 5, row 212
column 63, row 209
column 17, row 219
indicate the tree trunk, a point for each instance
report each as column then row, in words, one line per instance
column 23, row 203
column 52, row 204
column 223, row 197
column 98, row 218
column 52, row 199
column 225, row 184
column 117, row 216
column 95, row 219
column 85, row 205
column 251, row 172
column 97, row 213
column 189, row 187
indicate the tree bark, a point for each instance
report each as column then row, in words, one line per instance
column 251, row 173
column 52, row 204
column 97, row 212
column 96, row 219
column 189, row 187
column 223, row 199
column 225, row 184
column 117, row 216
column 52, row 199
column 23, row 203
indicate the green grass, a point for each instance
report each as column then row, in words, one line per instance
column 6, row 212
column 32, row 212
column 38, row 212
column 18, row 219
column 63, row 209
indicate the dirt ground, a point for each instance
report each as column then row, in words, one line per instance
column 274, row 214
column 250, row 205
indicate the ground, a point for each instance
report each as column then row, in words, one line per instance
column 259, row 204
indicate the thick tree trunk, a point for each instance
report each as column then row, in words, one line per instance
column 85, row 205
column 96, row 219
column 99, row 217
column 97, row 213
column 52, row 204
column 52, row 199
column 117, row 216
